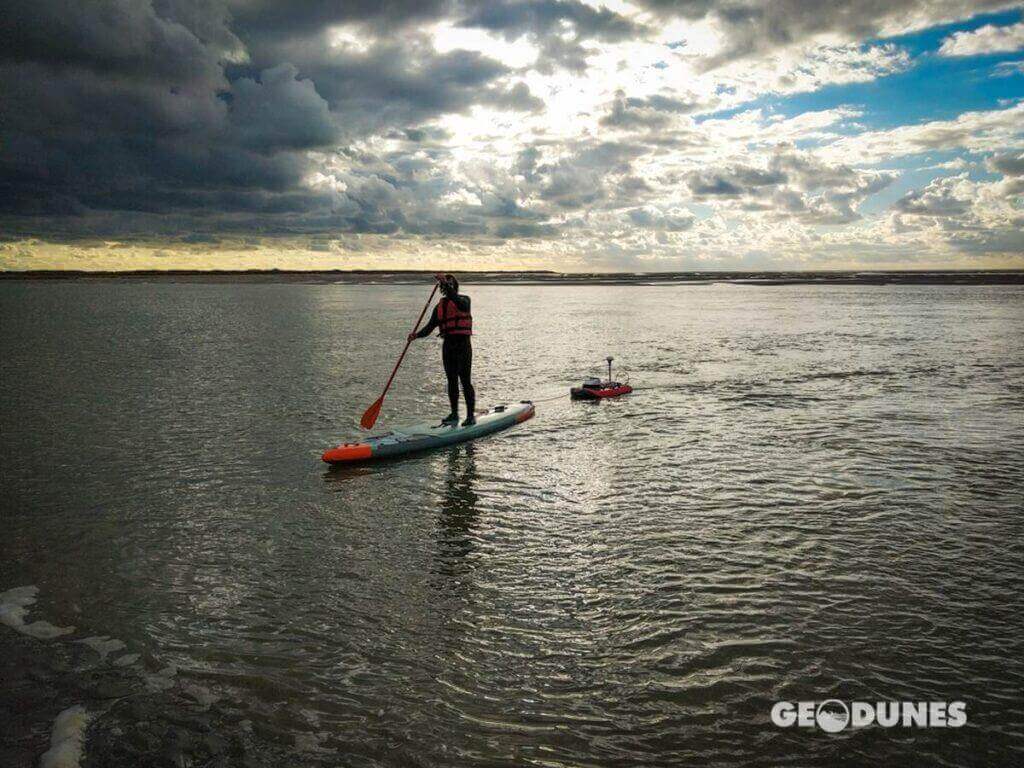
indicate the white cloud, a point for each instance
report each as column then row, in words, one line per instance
column 967, row 216
column 1008, row 68
column 956, row 164
column 974, row 131
column 984, row 41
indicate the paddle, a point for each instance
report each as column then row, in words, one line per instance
column 370, row 417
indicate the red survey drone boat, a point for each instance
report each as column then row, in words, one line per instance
column 595, row 389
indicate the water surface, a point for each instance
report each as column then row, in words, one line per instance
column 815, row 492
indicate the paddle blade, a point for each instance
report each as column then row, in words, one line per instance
column 370, row 417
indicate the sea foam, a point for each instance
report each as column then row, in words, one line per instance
column 13, row 607
column 67, row 739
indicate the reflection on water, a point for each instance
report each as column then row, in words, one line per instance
column 813, row 493
column 457, row 513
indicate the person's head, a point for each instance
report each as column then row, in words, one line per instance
column 449, row 285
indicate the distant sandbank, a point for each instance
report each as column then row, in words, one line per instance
column 541, row 277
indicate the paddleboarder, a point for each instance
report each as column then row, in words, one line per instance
column 452, row 318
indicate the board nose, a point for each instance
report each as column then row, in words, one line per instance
column 347, row 452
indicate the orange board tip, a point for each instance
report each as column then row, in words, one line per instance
column 347, row 452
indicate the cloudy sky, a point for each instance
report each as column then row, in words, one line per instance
column 560, row 134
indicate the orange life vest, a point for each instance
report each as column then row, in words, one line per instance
column 453, row 321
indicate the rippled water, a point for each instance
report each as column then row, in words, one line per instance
column 815, row 492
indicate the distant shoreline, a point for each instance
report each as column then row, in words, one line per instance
column 541, row 277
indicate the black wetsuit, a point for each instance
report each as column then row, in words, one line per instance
column 457, row 355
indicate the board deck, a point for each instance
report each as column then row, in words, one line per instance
column 428, row 435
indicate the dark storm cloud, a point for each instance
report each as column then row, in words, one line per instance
column 558, row 27
column 118, row 142
column 279, row 111
column 181, row 42
column 396, row 84
column 300, row 18
column 541, row 18
column 125, row 106
column 205, row 109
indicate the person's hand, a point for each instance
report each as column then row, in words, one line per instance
column 412, row 336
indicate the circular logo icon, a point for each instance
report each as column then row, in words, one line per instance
column 832, row 716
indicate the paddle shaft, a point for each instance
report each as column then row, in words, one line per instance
column 408, row 342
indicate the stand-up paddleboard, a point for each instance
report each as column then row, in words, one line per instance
column 423, row 437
